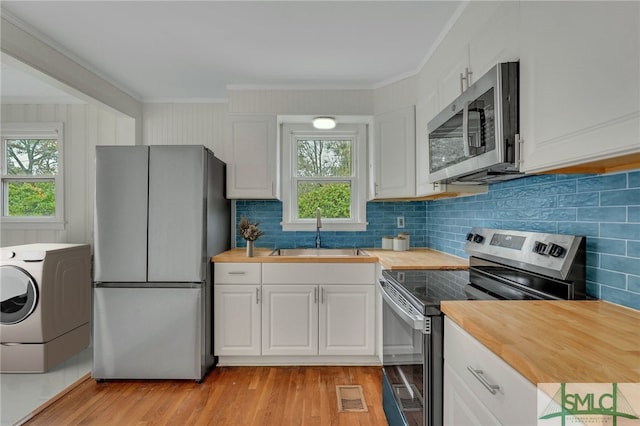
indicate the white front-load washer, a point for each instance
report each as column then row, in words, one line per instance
column 45, row 305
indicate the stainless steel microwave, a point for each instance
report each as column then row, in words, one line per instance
column 476, row 138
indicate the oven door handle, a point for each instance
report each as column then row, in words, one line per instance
column 417, row 321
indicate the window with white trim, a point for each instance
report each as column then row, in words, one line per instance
column 324, row 169
column 32, row 189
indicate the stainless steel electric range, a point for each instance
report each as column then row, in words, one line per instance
column 503, row 265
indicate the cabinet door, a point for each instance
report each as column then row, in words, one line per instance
column 514, row 402
column 347, row 320
column 450, row 84
column 236, row 320
column 461, row 406
column 394, row 146
column 579, row 82
column 252, row 171
column 290, row 320
column 425, row 111
column 498, row 40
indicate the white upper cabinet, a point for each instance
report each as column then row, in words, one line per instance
column 252, row 171
column 457, row 73
column 394, row 153
column 496, row 41
column 579, row 82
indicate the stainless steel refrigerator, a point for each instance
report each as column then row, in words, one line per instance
column 160, row 214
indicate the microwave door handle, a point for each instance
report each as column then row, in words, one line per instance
column 465, row 130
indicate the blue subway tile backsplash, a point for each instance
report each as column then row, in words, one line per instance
column 381, row 218
column 604, row 208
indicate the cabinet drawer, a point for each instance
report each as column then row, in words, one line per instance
column 237, row 273
column 319, row 273
column 514, row 400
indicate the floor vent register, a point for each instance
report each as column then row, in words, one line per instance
column 351, row 399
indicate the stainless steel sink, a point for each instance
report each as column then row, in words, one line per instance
column 315, row 252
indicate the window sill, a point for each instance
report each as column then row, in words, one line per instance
column 339, row 227
column 22, row 224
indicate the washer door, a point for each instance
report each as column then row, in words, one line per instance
column 18, row 294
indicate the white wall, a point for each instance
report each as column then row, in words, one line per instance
column 394, row 96
column 206, row 123
column 303, row 101
column 86, row 85
column 85, row 126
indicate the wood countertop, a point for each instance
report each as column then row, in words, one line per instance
column 409, row 259
column 418, row 258
column 582, row 341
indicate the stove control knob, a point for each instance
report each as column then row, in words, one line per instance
column 539, row 247
column 470, row 236
column 556, row 250
column 477, row 238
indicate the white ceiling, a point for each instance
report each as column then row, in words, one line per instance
column 161, row 51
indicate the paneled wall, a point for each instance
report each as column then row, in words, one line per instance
column 397, row 95
column 303, row 101
column 604, row 208
column 85, row 126
column 186, row 124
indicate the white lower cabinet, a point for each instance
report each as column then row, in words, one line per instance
column 282, row 311
column 302, row 316
column 346, row 320
column 480, row 388
column 236, row 308
column 236, row 320
column 318, row 320
column 461, row 406
column 290, row 320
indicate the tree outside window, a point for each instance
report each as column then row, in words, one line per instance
column 321, row 163
column 324, row 169
column 31, row 173
column 38, row 160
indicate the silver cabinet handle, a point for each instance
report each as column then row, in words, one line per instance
column 237, row 273
column 518, row 152
column 315, row 296
column 478, row 374
column 257, row 296
column 321, row 295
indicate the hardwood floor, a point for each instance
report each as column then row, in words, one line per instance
column 228, row 396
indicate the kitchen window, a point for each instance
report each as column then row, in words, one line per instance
column 324, row 169
column 32, row 175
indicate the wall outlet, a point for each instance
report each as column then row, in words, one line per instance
column 400, row 220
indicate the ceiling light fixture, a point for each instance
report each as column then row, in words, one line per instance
column 324, row 123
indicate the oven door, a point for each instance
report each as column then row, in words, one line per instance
column 406, row 376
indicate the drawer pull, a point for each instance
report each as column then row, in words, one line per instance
column 237, row 273
column 480, row 376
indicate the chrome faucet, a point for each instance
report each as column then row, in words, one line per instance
column 318, row 226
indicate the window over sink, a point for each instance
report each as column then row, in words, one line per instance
column 324, row 169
